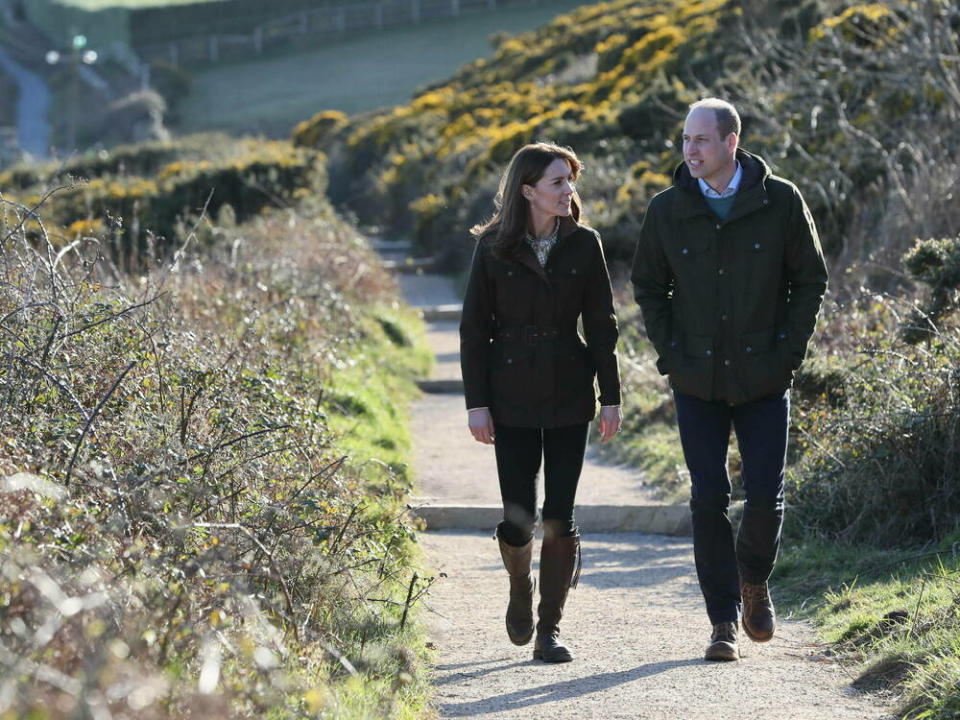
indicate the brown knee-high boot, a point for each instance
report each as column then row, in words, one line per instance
column 517, row 561
column 559, row 570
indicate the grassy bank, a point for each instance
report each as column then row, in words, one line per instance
column 891, row 616
column 196, row 517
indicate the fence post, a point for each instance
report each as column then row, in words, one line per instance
column 213, row 49
column 492, row 4
column 454, row 7
column 258, row 39
column 415, row 10
column 174, row 54
column 341, row 19
column 378, row 15
column 304, row 23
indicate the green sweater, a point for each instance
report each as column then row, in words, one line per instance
column 721, row 206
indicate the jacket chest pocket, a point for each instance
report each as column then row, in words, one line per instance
column 689, row 252
column 568, row 279
column 513, row 284
column 760, row 253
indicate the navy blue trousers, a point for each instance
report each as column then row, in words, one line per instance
column 722, row 561
column 519, row 453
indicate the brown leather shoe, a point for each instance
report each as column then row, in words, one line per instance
column 723, row 643
column 759, row 619
column 519, row 618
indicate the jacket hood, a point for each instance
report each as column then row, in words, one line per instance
column 755, row 172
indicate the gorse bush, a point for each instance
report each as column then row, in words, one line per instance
column 148, row 195
column 184, row 528
column 822, row 86
column 575, row 80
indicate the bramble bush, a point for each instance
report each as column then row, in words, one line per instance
column 186, row 526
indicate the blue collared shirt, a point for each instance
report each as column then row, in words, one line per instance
column 731, row 188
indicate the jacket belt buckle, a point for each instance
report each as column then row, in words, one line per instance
column 533, row 334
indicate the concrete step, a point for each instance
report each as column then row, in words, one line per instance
column 441, row 387
column 442, row 313
column 391, row 246
column 650, row 519
column 410, row 265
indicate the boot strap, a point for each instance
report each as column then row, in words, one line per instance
column 576, row 574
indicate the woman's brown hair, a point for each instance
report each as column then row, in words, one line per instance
column 511, row 221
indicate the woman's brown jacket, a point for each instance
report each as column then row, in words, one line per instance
column 520, row 352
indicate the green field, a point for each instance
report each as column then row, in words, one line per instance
column 130, row 4
column 374, row 70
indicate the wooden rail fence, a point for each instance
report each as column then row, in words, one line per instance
column 323, row 21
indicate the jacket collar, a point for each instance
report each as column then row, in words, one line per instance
column 524, row 254
column 751, row 196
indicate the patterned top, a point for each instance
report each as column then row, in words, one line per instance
column 543, row 245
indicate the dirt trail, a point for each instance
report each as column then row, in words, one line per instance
column 636, row 622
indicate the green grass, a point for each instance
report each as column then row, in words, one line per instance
column 374, row 70
column 894, row 616
column 365, row 394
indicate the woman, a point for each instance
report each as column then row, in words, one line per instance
column 529, row 377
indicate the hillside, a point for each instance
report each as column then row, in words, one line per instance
column 818, row 84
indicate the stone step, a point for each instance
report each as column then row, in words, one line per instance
column 391, row 246
column 441, row 387
column 650, row 519
column 442, row 313
column 410, row 265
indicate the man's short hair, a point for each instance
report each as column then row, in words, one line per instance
column 728, row 119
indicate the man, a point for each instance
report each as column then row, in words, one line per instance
column 729, row 276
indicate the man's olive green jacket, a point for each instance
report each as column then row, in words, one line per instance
column 730, row 305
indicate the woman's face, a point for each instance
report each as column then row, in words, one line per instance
column 553, row 193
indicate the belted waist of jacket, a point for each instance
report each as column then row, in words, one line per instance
column 537, row 335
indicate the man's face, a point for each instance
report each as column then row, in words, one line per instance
column 707, row 155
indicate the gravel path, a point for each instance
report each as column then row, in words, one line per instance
column 635, row 623
column 637, row 628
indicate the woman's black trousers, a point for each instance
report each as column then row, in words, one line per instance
column 519, row 454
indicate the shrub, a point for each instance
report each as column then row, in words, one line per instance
column 184, row 526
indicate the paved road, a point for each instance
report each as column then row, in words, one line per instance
column 33, row 107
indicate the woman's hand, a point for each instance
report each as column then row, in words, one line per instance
column 480, row 422
column 610, row 420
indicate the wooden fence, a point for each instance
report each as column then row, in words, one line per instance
column 323, row 21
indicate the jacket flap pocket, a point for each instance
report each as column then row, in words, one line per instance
column 691, row 247
column 760, row 341
column 698, row 345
